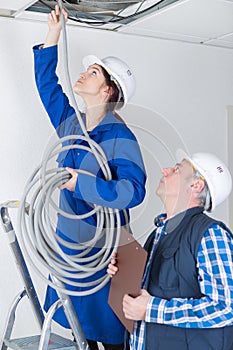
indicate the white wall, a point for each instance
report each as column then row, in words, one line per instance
column 230, row 157
column 181, row 99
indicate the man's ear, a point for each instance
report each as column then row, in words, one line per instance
column 198, row 185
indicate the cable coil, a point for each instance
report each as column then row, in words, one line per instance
column 40, row 241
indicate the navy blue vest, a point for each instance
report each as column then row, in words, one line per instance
column 173, row 273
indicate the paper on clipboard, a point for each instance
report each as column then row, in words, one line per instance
column 131, row 260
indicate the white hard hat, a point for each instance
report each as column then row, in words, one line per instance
column 215, row 173
column 118, row 71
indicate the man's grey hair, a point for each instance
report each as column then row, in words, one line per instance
column 204, row 196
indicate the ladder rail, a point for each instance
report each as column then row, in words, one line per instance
column 72, row 317
column 20, row 261
column 64, row 300
column 46, row 330
column 11, row 319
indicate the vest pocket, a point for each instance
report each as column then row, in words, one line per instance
column 168, row 277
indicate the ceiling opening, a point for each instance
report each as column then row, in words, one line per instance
column 103, row 12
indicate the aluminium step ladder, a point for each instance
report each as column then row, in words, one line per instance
column 46, row 340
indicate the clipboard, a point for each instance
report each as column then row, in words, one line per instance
column 131, row 260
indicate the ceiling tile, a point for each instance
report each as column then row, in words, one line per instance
column 194, row 18
column 228, row 37
column 15, row 4
column 134, row 30
column 220, row 43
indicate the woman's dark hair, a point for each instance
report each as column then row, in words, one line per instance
column 113, row 100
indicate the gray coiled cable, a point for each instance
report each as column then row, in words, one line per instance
column 39, row 239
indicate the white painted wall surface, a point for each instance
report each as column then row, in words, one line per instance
column 181, row 98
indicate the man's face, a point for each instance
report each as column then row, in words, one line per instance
column 176, row 182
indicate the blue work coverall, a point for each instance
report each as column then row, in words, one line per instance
column 125, row 190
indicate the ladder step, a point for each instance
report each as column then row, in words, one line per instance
column 32, row 343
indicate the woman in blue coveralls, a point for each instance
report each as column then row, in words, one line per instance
column 105, row 85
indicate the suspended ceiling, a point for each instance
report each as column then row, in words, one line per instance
column 205, row 22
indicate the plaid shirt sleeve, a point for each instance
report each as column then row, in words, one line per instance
column 215, row 273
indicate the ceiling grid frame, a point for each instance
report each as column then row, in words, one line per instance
column 203, row 22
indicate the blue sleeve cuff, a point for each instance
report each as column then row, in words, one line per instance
column 44, row 55
column 155, row 310
column 44, row 50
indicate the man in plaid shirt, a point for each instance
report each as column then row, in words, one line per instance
column 186, row 301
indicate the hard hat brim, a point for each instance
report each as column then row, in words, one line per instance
column 91, row 59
